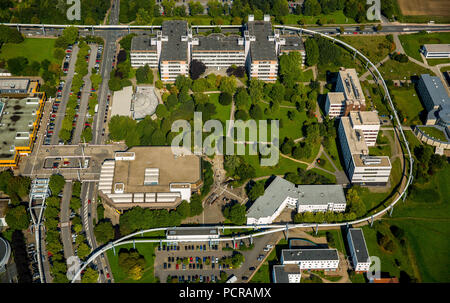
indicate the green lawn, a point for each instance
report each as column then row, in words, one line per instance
column 145, row 249
column 413, row 42
column 223, row 112
column 307, row 76
column 325, row 163
column 434, row 132
column 331, row 177
column 284, row 166
column 332, row 151
column 434, row 62
column 394, row 70
column 376, row 48
column 407, row 101
column 380, row 150
column 34, row 49
column 336, row 17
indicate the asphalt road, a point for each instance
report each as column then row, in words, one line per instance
column 65, row 95
column 85, row 94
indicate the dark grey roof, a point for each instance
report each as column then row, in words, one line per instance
column 438, row 94
column 279, row 189
column 142, row 43
column 218, row 42
column 174, row 49
column 192, row 231
column 262, row 48
column 359, row 244
column 294, row 43
column 281, row 272
column 310, row 254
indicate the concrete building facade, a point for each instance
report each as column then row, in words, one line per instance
column 311, row 258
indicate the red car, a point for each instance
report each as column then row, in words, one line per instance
column 89, row 201
column 53, row 116
column 177, row 267
column 107, row 275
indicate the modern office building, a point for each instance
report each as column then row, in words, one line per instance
column 368, row 123
column 288, row 273
column 358, row 249
column 17, row 87
column 436, row 51
column 19, row 123
column 311, row 258
column 282, row 193
column 348, row 95
column 174, row 47
column 150, row 176
column 436, row 100
column 361, row 168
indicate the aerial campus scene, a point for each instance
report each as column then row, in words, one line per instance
column 221, row 141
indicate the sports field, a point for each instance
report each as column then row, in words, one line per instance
column 420, row 7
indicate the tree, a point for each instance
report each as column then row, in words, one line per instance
column 311, row 8
column 104, row 231
column 17, row 65
column 256, row 112
column 256, row 191
column 242, row 99
column 236, row 213
column 131, row 262
column 356, row 205
column 17, row 218
column 86, row 134
column 225, row 99
column 70, row 34
column 83, row 250
column 56, row 184
column 228, row 85
column 89, row 276
column 195, row 8
column 196, row 207
column 144, row 74
column 196, row 69
column 312, row 51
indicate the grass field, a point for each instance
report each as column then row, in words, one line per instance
column 374, row 47
column 332, row 151
column 284, row 166
column 223, row 111
column 337, row 17
column 434, row 132
column 394, row 70
column 434, row 62
column 407, row 101
column 325, row 164
column 413, row 42
column 34, row 49
column 145, row 249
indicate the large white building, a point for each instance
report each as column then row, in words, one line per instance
column 311, row 258
column 150, row 176
column 174, row 47
column 360, row 166
column 282, row 193
column 288, row 273
column 435, row 51
column 348, row 95
column 358, row 250
column 194, row 234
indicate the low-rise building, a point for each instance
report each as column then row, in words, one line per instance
column 19, row 123
column 348, row 95
column 286, row 274
column 314, row 258
column 150, row 176
column 436, row 51
column 436, row 100
column 17, row 87
column 358, row 250
column 282, row 193
column 361, row 168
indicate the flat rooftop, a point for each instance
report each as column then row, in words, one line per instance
column 218, row 43
column 310, row 254
column 351, row 85
column 181, row 169
column 336, row 97
column 437, row 48
column 359, row 244
column 14, row 83
column 174, row 49
column 293, row 43
column 142, row 43
column 16, row 123
column 262, row 48
column 355, row 138
column 364, row 118
column 282, row 273
column 438, row 94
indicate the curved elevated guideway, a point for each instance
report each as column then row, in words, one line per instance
column 273, row 228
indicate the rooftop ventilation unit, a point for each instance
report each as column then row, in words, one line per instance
column 371, row 160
